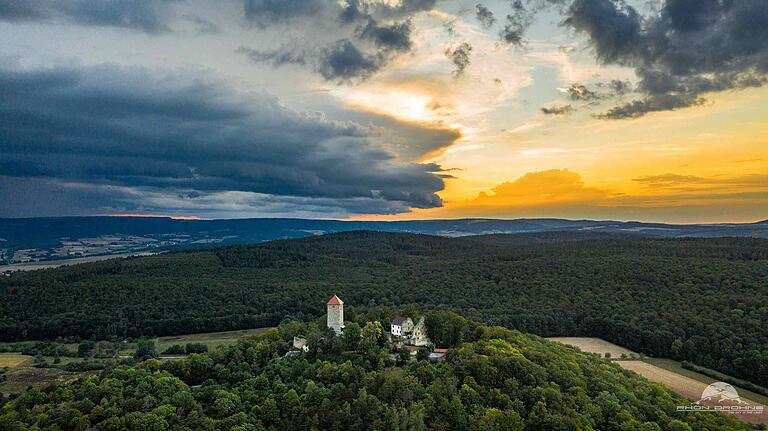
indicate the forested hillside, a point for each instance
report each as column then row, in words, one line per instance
column 702, row 300
column 497, row 380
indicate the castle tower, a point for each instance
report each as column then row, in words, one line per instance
column 335, row 314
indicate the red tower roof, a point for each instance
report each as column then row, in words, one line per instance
column 335, row 301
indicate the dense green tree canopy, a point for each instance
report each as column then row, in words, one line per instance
column 702, row 300
column 497, row 379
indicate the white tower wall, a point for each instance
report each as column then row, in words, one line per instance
column 336, row 317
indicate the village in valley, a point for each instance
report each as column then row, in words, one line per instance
column 403, row 336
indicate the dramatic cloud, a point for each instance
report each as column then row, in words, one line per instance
column 604, row 90
column 688, row 48
column 682, row 50
column 671, row 197
column 344, row 62
column 267, row 12
column 460, row 57
column 133, row 130
column 149, row 16
column 484, row 16
column 516, row 24
column 389, row 10
column 552, row 187
column 557, row 110
column 653, row 103
column 395, row 37
column 368, row 34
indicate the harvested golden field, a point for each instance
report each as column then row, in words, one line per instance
column 594, row 345
column 11, row 360
column 683, row 385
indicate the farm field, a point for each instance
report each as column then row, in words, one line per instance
column 211, row 339
column 668, row 372
column 47, row 264
column 19, row 379
column 595, row 345
column 677, row 367
column 12, row 360
column 21, row 373
column 685, row 385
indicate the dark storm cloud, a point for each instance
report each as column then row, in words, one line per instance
column 613, row 28
column 348, row 61
column 618, row 87
column 149, row 16
column 360, row 9
column 394, row 37
column 557, row 110
column 688, row 48
column 679, row 52
column 128, row 128
column 460, row 57
column 370, row 34
column 266, row 12
column 345, row 62
column 15, row 10
column 652, row 103
column 40, row 197
column 484, row 16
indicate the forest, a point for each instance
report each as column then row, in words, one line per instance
column 702, row 300
column 496, row 379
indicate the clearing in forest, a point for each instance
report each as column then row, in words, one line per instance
column 595, row 345
column 210, row 339
column 11, row 360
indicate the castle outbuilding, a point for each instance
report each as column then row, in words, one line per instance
column 335, row 311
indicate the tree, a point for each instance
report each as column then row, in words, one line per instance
column 403, row 355
column 497, row 420
column 196, row 348
column 145, row 350
column 352, row 334
column 85, row 348
column 371, row 334
column 176, row 349
column 422, row 354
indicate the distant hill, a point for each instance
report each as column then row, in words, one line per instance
column 44, row 239
column 696, row 299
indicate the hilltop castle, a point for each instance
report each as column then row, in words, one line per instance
column 402, row 329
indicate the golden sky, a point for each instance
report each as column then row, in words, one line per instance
column 705, row 163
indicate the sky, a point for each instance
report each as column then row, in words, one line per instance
column 385, row 109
